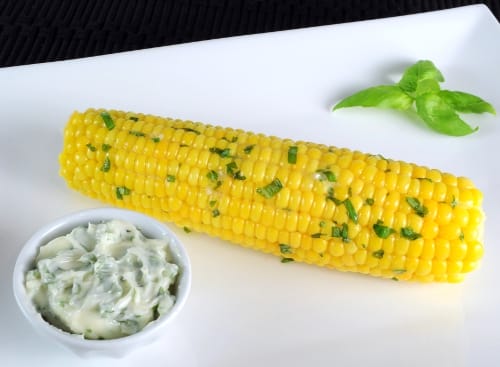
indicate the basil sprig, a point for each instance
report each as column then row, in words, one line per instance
column 419, row 86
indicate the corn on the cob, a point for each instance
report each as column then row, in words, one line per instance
column 301, row 201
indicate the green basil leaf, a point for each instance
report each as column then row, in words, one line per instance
column 423, row 69
column 440, row 116
column 384, row 96
column 427, row 86
column 465, row 102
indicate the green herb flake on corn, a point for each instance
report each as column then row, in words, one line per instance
column 376, row 216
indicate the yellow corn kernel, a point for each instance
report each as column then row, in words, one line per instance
column 161, row 169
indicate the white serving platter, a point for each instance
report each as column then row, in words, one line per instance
column 246, row 308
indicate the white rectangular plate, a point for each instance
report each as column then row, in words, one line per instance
column 246, row 308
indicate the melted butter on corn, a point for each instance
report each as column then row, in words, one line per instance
column 327, row 206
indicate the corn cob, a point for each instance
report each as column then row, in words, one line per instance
column 301, row 201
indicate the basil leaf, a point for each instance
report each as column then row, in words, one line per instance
column 440, row 116
column 409, row 233
column 465, row 102
column 427, row 86
column 415, row 204
column 384, row 96
column 423, row 69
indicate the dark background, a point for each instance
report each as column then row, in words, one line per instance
column 39, row 31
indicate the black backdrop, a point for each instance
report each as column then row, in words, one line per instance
column 34, row 31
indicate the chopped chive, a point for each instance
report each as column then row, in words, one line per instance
column 231, row 168
column 183, row 145
column 248, row 149
column 326, row 174
column 409, row 233
column 223, row 153
column 238, row 176
column 351, row 212
column 285, row 260
column 215, row 213
column 399, row 271
column 91, row 147
column 121, row 191
column 317, row 235
column 155, row 139
column 170, row 178
column 212, row 175
column 270, row 189
column 379, row 254
column 105, row 147
column 341, row 232
column 369, row 201
column 136, row 133
column 424, row 179
column 285, row 249
column 415, row 204
column 106, row 165
column 292, row 154
column 188, row 129
column 133, row 118
column 234, row 139
column 108, row 120
column 381, row 230
column 186, row 229
column 331, row 196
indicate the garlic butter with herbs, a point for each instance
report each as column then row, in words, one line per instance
column 104, row 281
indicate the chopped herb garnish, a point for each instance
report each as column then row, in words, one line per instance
column 108, row 120
column 91, row 147
column 223, row 153
column 212, row 203
column 121, row 191
column 395, row 279
column 399, row 271
column 351, row 212
column 285, row 260
column 381, row 230
column 155, row 139
column 133, row 118
column 322, row 223
column 170, row 178
column 369, row 201
column 188, row 129
column 424, row 179
column 248, row 149
column 317, row 235
column 106, row 165
column 105, row 147
column 234, row 139
column 461, row 236
column 454, row 201
column 212, row 175
column 238, row 176
column 215, row 213
column 217, row 184
column 415, row 204
column 326, row 174
column 231, row 168
column 270, row 189
column 292, row 154
column 186, row 229
column 379, row 254
column 330, row 196
column 136, row 133
column 342, row 232
column 409, row 233
column 285, row 249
